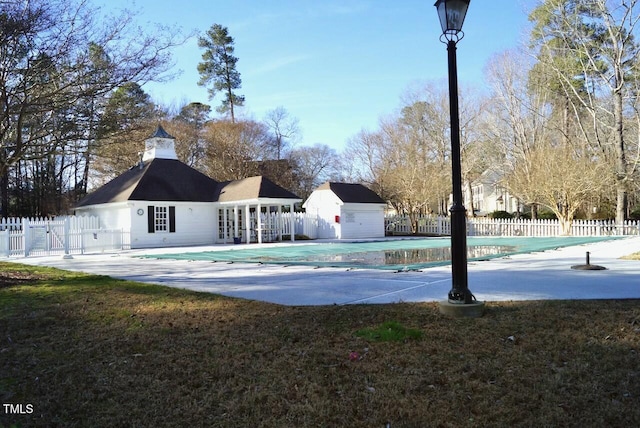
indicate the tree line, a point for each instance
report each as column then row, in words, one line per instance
column 74, row 114
column 559, row 122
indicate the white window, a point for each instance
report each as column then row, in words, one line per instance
column 161, row 220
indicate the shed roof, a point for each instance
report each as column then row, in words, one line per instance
column 156, row 180
column 353, row 193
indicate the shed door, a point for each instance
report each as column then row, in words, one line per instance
column 362, row 224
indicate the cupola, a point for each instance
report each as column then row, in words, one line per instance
column 161, row 145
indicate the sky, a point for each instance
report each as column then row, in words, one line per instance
column 338, row 66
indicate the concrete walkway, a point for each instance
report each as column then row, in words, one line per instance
column 536, row 276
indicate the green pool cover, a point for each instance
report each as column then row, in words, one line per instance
column 391, row 254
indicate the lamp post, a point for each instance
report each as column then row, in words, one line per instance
column 452, row 14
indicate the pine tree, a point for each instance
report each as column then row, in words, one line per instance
column 218, row 68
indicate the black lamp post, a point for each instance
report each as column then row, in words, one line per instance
column 452, row 14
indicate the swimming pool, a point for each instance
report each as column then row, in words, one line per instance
column 388, row 254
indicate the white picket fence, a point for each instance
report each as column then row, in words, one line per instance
column 23, row 237
column 438, row 225
column 307, row 224
column 274, row 224
column 63, row 235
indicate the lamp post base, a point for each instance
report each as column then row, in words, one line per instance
column 461, row 310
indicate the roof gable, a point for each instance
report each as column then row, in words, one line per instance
column 252, row 188
column 353, row 193
column 490, row 177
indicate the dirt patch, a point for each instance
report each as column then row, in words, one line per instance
column 10, row 278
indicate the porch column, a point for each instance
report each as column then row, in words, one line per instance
column 247, row 224
column 224, row 225
column 235, row 223
column 259, row 223
column 67, row 227
column 292, row 223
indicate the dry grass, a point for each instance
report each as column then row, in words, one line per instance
column 93, row 351
column 634, row 256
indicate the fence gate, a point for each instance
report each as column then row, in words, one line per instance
column 43, row 238
column 66, row 235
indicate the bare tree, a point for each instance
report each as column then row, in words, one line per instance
column 548, row 161
column 408, row 173
column 284, row 127
column 599, row 38
column 232, row 149
column 425, row 116
column 50, row 73
column 315, row 165
column 518, row 115
column 562, row 178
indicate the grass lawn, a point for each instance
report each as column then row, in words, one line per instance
column 85, row 350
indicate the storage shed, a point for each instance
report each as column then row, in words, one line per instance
column 346, row 211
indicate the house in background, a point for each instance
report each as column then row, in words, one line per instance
column 346, row 211
column 489, row 195
column 164, row 202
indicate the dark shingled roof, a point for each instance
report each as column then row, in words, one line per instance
column 252, row 188
column 156, row 180
column 353, row 193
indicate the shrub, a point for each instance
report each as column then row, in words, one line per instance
column 500, row 214
column 547, row 215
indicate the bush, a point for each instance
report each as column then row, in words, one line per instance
column 635, row 214
column 547, row 215
column 297, row 236
column 500, row 214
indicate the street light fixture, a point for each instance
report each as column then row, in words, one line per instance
column 452, row 14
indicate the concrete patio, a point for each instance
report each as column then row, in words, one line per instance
column 534, row 276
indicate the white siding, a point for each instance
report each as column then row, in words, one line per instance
column 362, row 221
column 196, row 222
column 195, row 225
column 357, row 221
column 326, row 206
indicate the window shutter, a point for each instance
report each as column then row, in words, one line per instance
column 172, row 219
column 151, row 217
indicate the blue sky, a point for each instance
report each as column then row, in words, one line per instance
column 338, row 66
